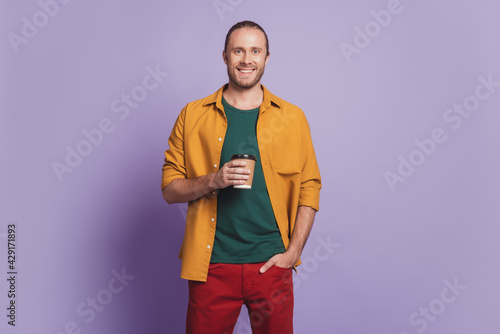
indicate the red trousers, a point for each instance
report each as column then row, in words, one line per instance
column 214, row 306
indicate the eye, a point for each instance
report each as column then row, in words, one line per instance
column 255, row 52
column 237, row 52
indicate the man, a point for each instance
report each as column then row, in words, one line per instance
column 240, row 245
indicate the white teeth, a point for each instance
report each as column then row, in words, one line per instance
column 246, row 71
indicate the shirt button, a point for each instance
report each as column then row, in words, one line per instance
column 220, row 139
column 208, row 246
column 215, row 165
column 213, row 219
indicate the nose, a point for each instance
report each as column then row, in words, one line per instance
column 247, row 58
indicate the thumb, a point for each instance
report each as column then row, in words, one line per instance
column 266, row 266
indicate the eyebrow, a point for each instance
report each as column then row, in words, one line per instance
column 252, row 48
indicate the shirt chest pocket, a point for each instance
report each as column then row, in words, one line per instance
column 286, row 152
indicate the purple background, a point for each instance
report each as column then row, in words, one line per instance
column 390, row 251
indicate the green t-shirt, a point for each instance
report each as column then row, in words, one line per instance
column 246, row 230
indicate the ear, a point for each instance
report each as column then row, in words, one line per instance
column 224, row 56
column 267, row 58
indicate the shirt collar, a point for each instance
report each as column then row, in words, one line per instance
column 269, row 99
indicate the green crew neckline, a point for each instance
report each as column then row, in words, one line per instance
column 227, row 105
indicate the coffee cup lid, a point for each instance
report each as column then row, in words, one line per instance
column 243, row 156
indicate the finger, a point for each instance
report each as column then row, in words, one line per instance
column 237, row 163
column 233, row 179
column 237, row 175
column 239, row 171
column 266, row 266
column 244, row 173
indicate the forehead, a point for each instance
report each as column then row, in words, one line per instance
column 247, row 37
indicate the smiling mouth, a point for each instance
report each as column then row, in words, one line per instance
column 246, row 71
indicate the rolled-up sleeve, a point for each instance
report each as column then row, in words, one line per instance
column 174, row 166
column 310, row 177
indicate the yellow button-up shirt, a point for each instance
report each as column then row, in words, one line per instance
column 288, row 161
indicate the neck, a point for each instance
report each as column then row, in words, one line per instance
column 242, row 98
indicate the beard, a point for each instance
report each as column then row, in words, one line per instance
column 245, row 84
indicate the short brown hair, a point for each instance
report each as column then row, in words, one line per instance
column 245, row 24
